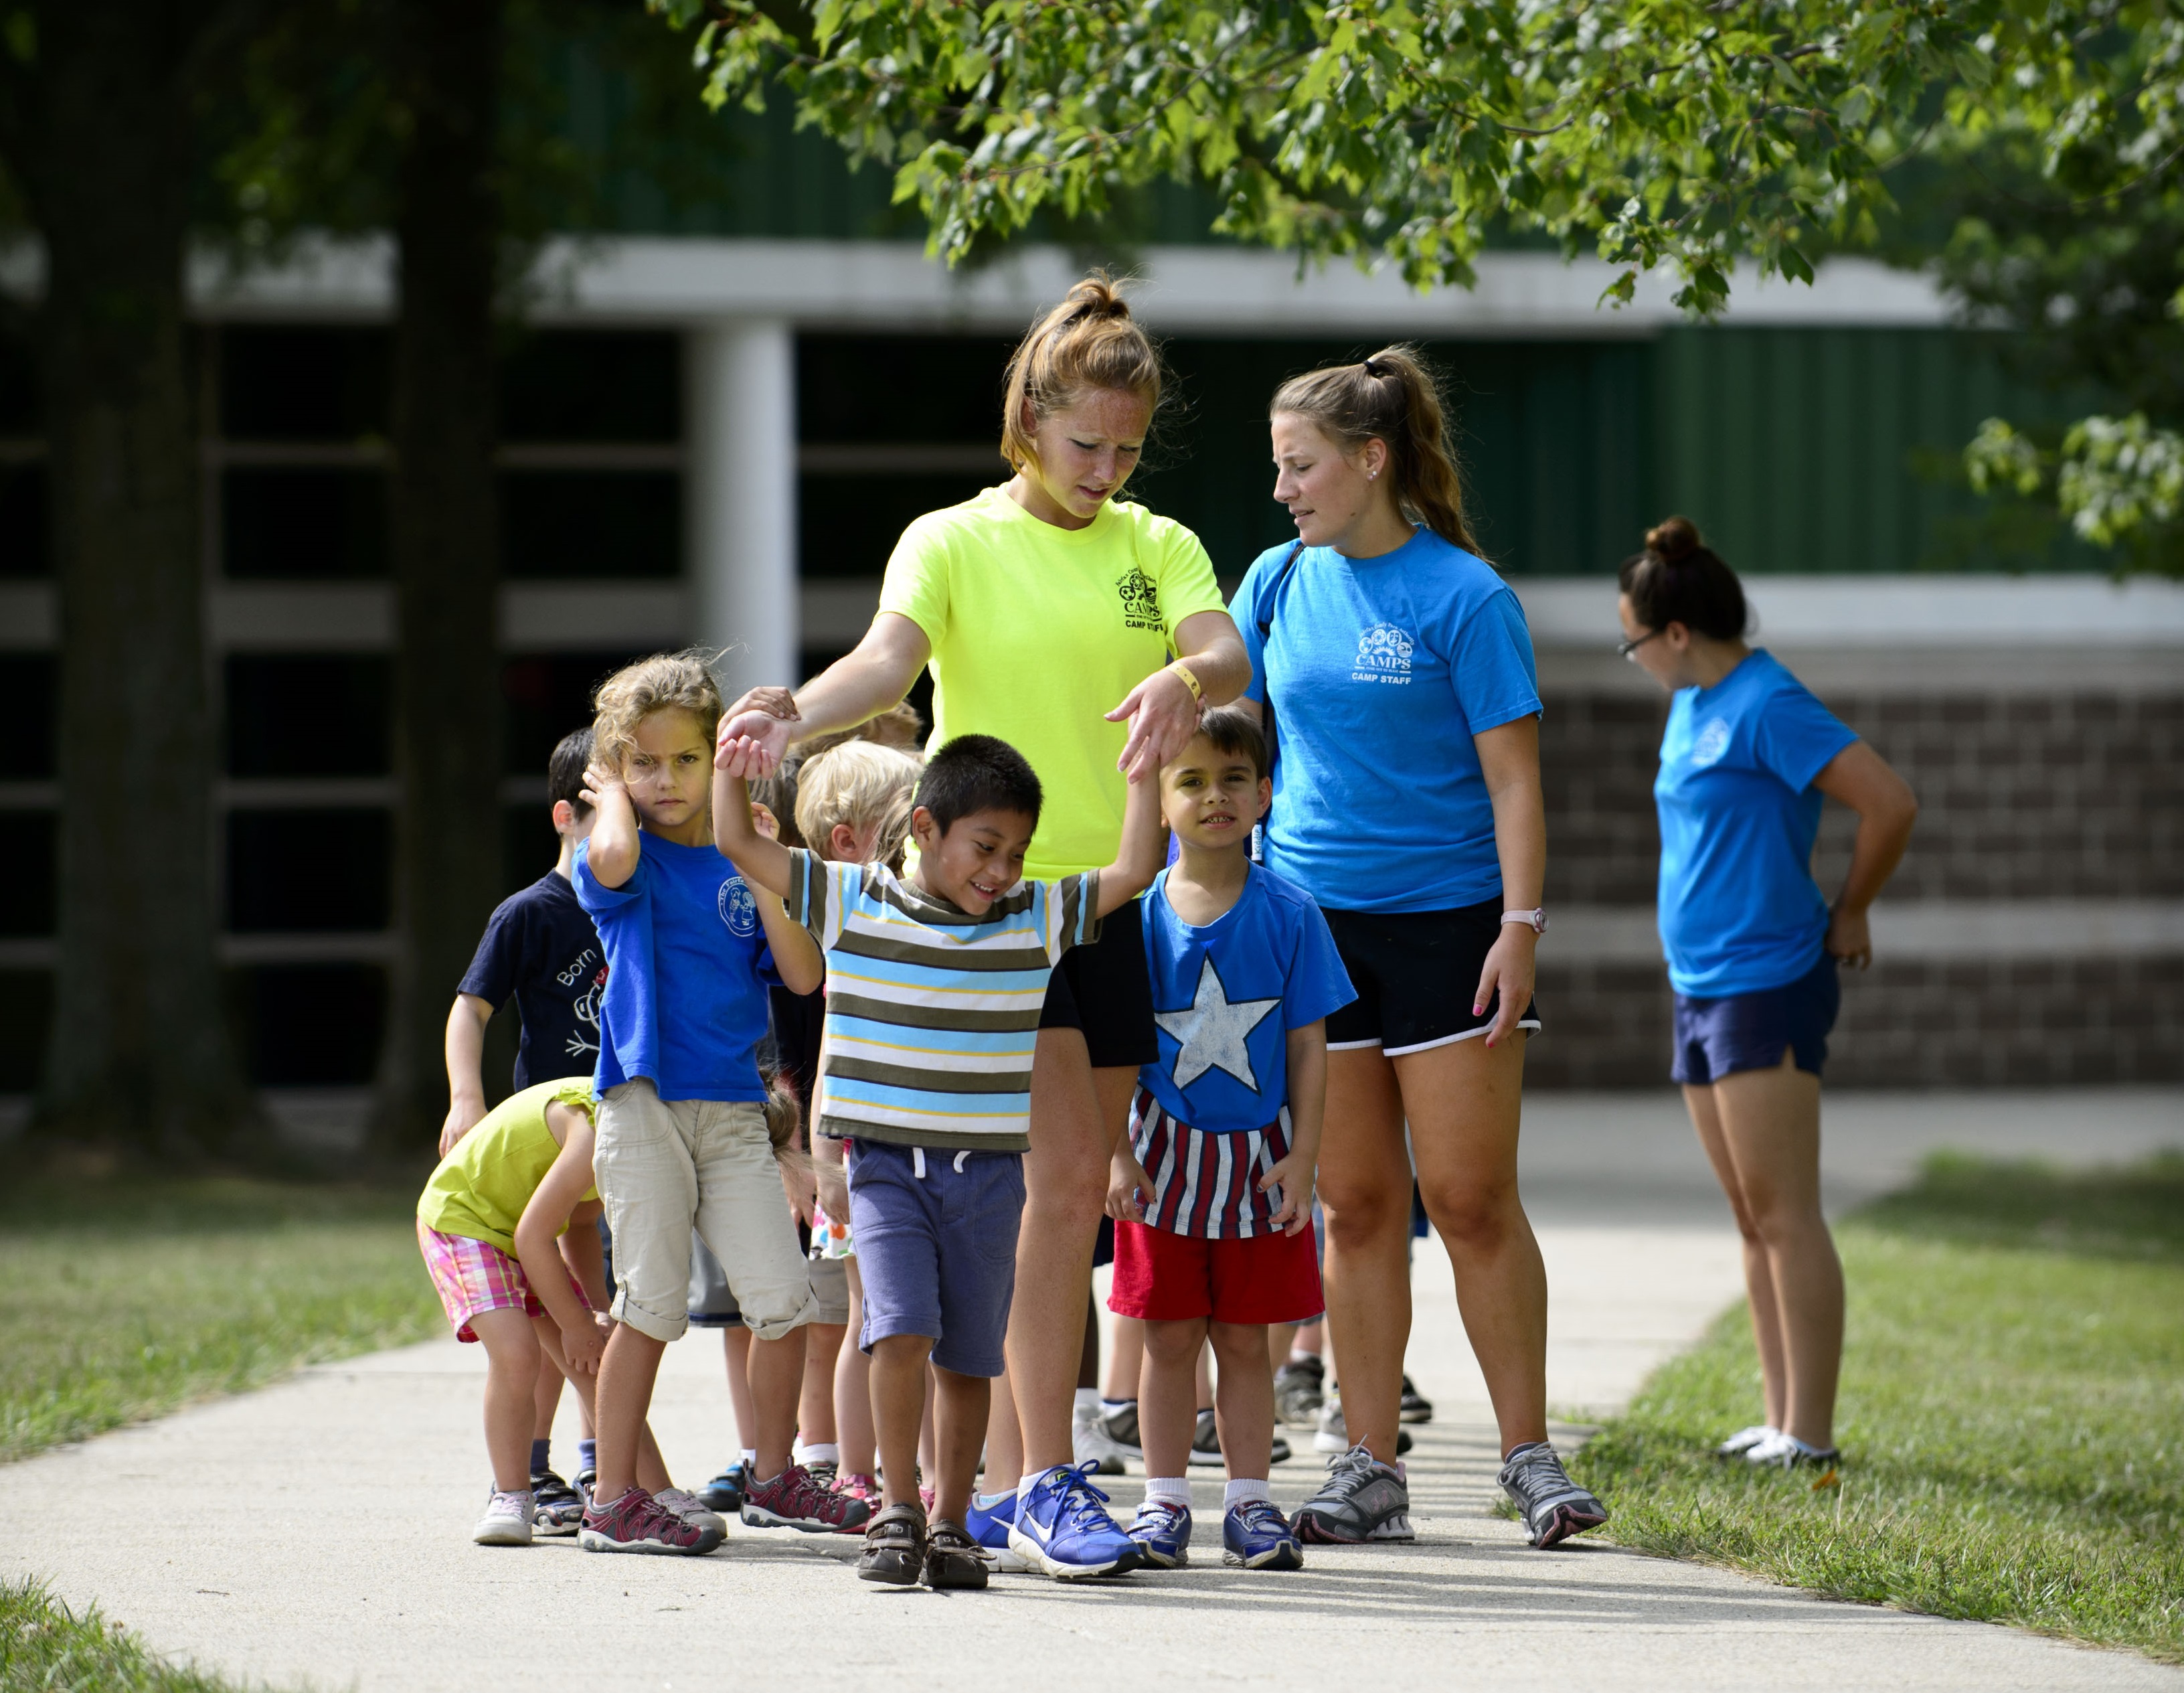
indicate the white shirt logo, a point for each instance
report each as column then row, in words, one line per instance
column 1712, row 743
column 1213, row 1030
column 1383, row 655
column 738, row 910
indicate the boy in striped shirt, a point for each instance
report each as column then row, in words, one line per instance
column 1211, row 1192
column 934, row 984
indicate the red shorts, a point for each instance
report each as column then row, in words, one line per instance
column 1163, row 1276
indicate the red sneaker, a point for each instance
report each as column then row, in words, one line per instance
column 637, row 1522
column 792, row 1500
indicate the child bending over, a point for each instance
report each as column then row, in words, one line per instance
column 1212, row 1190
column 488, row 1223
column 934, row 994
column 682, row 1133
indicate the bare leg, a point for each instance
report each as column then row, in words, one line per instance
column 853, row 1390
column 651, row 1468
column 1758, row 1278
column 1076, row 1115
column 735, row 1352
column 546, row 1399
column 624, row 1395
column 1088, row 1361
column 1770, row 1121
column 1125, row 1359
column 1365, row 1191
column 928, row 1440
column 776, row 1378
column 1004, row 1438
column 1243, row 1409
column 959, row 1415
column 815, row 1404
column 1201, row 1381
column 1167, row 1395
column 899, row 1410
column 511, row 1378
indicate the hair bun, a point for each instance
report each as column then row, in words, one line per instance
column 1673, row 538
column 1097, row 296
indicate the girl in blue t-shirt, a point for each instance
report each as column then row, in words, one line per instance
column 1752, row 946
column 1406, row 802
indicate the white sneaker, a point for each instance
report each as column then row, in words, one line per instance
column 1091, row 1444
column 1333, row 1435
column 692, row 1510
column 1744, row 1439
column 507, row 1520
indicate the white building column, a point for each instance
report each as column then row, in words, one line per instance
column 739, row 387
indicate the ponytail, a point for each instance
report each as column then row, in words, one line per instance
column 1088, row 342
column 1679, row 579
column 1394, row 398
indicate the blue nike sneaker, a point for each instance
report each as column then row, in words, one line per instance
column 1163, row 1532
column 1063, row 1528
column 1254, row 1535
column 990, row 1525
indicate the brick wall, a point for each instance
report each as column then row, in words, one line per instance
column 2076, row 795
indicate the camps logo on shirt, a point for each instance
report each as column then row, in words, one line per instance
column 738, row 910
column 1140, row 601
column 1712, row 743
column 1383, row 655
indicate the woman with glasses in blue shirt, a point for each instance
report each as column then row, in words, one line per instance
column 1753, row 946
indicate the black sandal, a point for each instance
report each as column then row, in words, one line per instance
column 953, row 1558
column 894, row 1546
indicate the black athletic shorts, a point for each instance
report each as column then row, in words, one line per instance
column 1104, row 989
column 1415, row 973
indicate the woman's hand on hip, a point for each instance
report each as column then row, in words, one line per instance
column 1163, row 713
column 1850, row 937
column 1511, row 966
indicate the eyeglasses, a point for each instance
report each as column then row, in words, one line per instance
column 1629, row 650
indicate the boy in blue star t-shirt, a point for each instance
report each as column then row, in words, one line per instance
column 1211, row 1193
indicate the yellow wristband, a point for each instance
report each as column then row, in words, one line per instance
column 1197, row 689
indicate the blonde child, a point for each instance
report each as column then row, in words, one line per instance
column 505, row 1226
column 682, row 1138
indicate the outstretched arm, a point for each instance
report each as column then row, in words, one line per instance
column 1887, row 808
column 855, row 688
column 1142, row 853
column 796, row 955
column 763, row 863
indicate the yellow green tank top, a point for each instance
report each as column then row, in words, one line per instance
column 481, row 1188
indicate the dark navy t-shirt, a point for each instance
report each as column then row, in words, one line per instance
column 540, row 947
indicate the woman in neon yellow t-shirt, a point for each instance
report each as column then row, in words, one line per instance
column 1085, row 631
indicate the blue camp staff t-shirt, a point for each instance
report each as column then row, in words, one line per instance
column 540, row 947
column 688, row 971
column 1739, row 910
column 1381, row 671
column 1225, row 997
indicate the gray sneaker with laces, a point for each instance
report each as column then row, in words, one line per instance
column 1361, row 1500
column 1553, row 1507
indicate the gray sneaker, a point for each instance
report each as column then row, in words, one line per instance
column 1361, row 1500
column 1299, row 1392
column 1553, row 1507
column 1331, row 1432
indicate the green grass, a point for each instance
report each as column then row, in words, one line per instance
column 45, row 1648
column 129, row 1298
column 2012, row 1415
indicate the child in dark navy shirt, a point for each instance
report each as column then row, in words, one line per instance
column 540, row 949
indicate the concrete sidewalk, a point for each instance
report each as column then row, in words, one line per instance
column 316, row 1531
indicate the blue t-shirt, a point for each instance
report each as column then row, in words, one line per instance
column 540, row 947
column 1381, row 671
column 1739, row 910
column 1226, row 996
column 688, row 971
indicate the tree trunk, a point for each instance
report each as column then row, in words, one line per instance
column 140, row 1052
column 446, row 543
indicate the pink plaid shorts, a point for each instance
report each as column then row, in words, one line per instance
column 476, row 1276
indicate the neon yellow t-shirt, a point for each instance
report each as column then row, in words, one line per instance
column 1037, row 632
column 481, row 1188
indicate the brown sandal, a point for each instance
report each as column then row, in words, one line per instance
column 953, row 1558
column 894, row 1546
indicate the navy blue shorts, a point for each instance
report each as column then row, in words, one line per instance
column 1717, row 1038
column 936, row 1238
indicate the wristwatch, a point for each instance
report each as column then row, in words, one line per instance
column 1535, row 919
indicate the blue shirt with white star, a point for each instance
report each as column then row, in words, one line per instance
column 1226, row 995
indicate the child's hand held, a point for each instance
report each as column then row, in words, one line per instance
column 1125, row 1189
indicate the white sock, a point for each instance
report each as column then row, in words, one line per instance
column 1173, row 1489
column 1088, row 1401
column 1108, row 1407
column 1031, row 1479
column 1243, row 1492
column 1297, row 1356
column 822, row 1452
column 750, row 1457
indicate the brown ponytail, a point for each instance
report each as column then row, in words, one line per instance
column 1088, row 342
column 1392, row 397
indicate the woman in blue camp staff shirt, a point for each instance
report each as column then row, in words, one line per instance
column 1752, row 947
column 1407, row 803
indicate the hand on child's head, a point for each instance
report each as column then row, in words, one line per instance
column 775, row 702
column 600, row 777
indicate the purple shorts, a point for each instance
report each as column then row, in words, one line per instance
column 936, row 1234
column 1717, row 1038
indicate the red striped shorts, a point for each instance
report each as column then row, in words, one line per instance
column 473, row 1277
